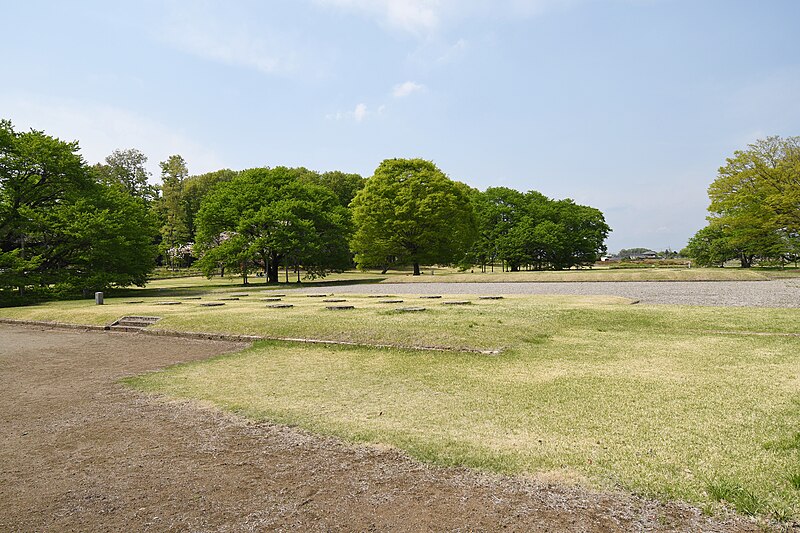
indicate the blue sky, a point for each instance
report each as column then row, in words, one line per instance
column 626, row 105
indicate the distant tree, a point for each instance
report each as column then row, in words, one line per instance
column 104, row 239
column 171, row 206
column 531, row 230
column 634, row 251
column 584, row 234
column 127, row 168
column 409, row 212
column 497, row 211
column 194, row 189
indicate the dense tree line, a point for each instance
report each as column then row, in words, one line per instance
column 408, row 213
column 64, row 226
column 754, row 208
column 529, row 230
column 67, row 227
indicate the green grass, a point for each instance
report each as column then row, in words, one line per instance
column 484, row 324
column 676, row 415
column 190, row 285
column 651, row 399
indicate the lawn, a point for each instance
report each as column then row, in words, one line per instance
column 601, row 393
column 673, row 402
column 453, row 275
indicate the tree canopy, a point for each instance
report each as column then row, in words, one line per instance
column 67, row 227
column 127, row 168
column 62, row 227
column 409, row 212
column 531, row 230
column 754, row 210
column 266, row 218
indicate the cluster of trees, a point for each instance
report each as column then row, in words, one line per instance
column 755, row 207
column 67, row 227
column 529, row 230
column 265, row 218
column 407, row 213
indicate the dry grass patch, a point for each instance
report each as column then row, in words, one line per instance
column 643, row 398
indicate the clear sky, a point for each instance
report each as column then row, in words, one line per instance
column 626, row 105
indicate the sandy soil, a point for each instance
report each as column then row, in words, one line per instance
column 80, row 452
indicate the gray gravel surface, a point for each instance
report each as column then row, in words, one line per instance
column 776, row 293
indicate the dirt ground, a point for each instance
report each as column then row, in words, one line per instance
column 80, row 452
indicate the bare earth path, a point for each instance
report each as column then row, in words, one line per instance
column 79, row 452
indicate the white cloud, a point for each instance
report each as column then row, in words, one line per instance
column 101, row 129
column 404, row 89
column 532, row 8
column 425, row 18
column 415, row 16
column 453, row 51
column 227, row 36
column 360, row 112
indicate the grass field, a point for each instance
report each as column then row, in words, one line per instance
column 444, row 275
column 585, row 391
column 691, row 403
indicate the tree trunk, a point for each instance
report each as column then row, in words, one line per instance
column 416, row 269
column 272, row 271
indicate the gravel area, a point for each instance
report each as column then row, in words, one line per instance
column 776, row 293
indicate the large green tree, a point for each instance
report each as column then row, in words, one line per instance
column 61, row 226
column 271, row 218
column 754, row 209
column 409, row 212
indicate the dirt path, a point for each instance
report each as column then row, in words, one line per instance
column 80, row 452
